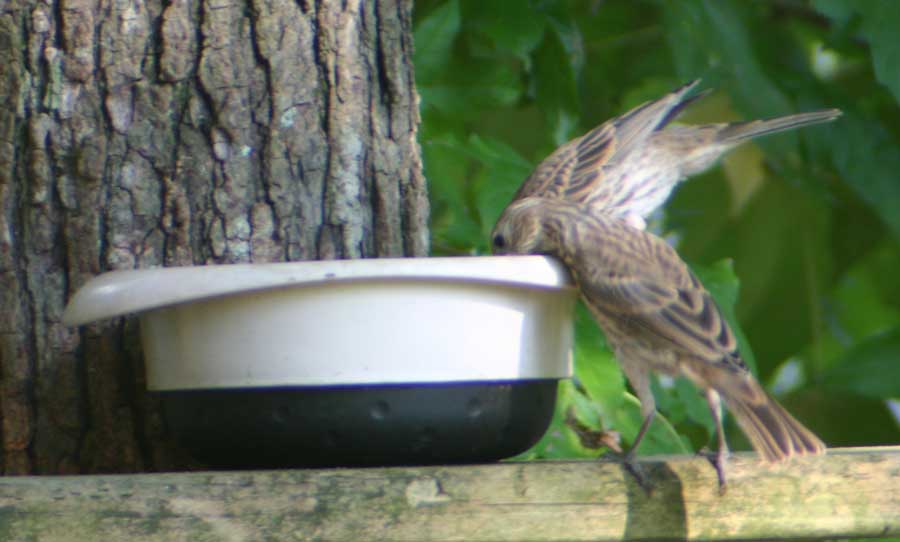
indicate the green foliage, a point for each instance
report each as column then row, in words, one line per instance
column 810, row 219
column 870, row 368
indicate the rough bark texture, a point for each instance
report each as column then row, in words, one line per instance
column 845, row 494
column 177, row 132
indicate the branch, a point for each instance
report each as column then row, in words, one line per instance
column 849, row 493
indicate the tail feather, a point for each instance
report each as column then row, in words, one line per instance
column 773, row 432
column 741, row 131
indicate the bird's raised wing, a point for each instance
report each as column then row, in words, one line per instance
column 572, row 169
column 613, row 141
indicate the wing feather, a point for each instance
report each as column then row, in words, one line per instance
column 633, row 275
column 571, row 171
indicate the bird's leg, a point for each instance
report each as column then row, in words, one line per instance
column 648, row 419
column 721, row 456
column 630, row 457
column 640, row 381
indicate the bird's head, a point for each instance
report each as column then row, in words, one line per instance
column 522, row 228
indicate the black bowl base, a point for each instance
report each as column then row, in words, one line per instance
column 417, row 424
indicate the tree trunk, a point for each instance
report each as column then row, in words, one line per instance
column 179, row 132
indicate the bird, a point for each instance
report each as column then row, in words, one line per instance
column 628, row 166
column 657, row 317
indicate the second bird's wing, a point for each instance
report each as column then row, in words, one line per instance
column 572, row 170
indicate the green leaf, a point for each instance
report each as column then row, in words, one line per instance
column 862, row 304
column 838, row 10
column 468, row 86
column 503, row 171
column 434, row 37
column 453, row 226
column 595, row 366
column 661, row 437
column 859, row 307
column 868, row 158
column 711, row 40
column 880, row 21
column 864, row 151
column 683, row 403
column 513, row 27
column 498, row 87
column 870, row 369
column 555, row 85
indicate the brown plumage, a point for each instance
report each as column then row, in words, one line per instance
column 627, row 167
column 656, row 316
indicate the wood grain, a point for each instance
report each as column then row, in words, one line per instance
column 848, row 493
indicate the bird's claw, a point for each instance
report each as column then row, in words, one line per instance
column 717, row 460
column 635, row 469
column 632, row 467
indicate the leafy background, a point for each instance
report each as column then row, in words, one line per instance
column 796, row 235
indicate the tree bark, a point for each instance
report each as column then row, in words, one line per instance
column 180, row 132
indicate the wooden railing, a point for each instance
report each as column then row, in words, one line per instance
column 848, row 493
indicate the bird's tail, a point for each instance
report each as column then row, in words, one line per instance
column 772, row 431
column 742, row 131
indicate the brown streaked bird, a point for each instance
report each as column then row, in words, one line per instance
column 656, row 316
column 628, row 166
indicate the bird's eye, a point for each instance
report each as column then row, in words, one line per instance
column 499, row 241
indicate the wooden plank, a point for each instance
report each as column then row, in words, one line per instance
column 847, row 493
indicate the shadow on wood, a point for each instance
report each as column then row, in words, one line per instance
column 848, row 493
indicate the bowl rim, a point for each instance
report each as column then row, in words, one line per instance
column 117, row 293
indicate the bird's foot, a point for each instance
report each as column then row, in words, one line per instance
column 637, row 471
column 611, row 440
column 718, row 460
column 632, row 467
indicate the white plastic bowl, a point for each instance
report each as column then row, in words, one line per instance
column 350, row 362
column 343, row 322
